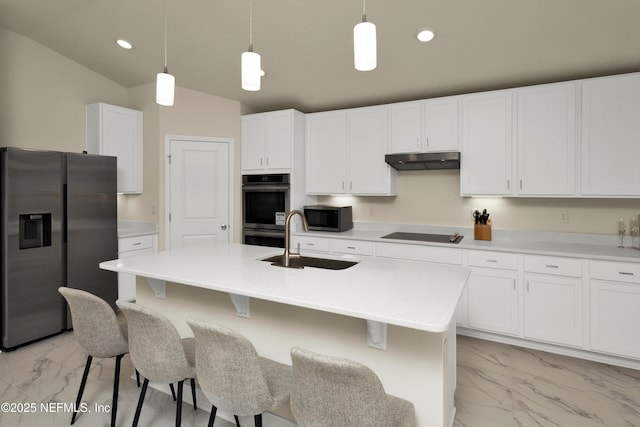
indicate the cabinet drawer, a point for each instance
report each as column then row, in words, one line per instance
column 493, row 260
column 615, row 271
column 553, row 265
column 356, row 247
column 419, row 253
column 318, row 244
column 135, row 243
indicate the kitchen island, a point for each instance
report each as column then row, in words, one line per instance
column 394, row 316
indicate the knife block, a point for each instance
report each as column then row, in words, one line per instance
column 482, row 231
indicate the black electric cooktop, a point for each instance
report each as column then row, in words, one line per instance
column 423, row 237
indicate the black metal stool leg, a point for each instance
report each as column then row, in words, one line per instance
column 85, row 374
column 179, row 404
column 137, row 378
column 136, row 418
column 258, row 420
column 193, row 393
column 237, row 420
column 212, row 417
column 116, row 382
column 173, row 391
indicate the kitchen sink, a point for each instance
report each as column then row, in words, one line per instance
column 305, row 261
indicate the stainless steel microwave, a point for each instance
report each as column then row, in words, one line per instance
column 329, row 218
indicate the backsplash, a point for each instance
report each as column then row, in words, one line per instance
column 433, row 197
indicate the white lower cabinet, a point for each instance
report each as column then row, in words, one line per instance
column 492, row 297
column 492, row 292
column 615, row 308
column 129, row 247
column 553, row 300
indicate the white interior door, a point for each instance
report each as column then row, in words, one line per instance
column 199, row 193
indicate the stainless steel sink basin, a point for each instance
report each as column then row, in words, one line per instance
column 305, row 261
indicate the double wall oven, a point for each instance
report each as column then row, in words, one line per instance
column 265, row 203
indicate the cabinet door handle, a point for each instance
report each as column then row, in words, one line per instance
column 508, row 184
column 267, row 161
column 552, row 266
column 527, row 286
column 351, row 247
column 136, row 244
column 310, row 244
column 427, row 142
column 521, row 184
column 492, row 260
column 625, row 273
column 260, row 161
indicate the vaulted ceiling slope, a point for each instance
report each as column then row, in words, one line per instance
column 307, row 49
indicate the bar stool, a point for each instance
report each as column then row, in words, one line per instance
column 158, row 353
column 330, row 391
column 100, row 333
column 232, row 375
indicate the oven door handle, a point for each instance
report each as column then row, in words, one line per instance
column 264, row 233
column 264, row 188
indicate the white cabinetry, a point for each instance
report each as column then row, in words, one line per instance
column 117, row 131
column 423, row 126
column 129, row 247
column 553, row 300
column 486, row 143
column 492, row 292
column 269, row 141
column 611, row 136
column 546, row 140
column 615, row 308
column 337, row 246
column 345, row 152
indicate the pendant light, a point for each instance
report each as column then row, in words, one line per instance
column 250, row 61
column 364, row 43
column 165, row 83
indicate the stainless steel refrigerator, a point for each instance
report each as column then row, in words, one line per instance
column 59, row 221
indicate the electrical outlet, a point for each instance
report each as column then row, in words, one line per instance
column 564, row 217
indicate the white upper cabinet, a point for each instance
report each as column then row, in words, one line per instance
column 117, row 131
column 487, row 135
column 326, row 151
column 345, row 152
column 611, row 136
column 368, row 142
column 546, row 140
column 423, row 126
column 268, row 141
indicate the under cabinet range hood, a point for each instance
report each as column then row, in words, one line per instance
column 424, row 161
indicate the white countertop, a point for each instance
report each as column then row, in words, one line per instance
column 405, row 293
column 576, row 245
column 136, row 228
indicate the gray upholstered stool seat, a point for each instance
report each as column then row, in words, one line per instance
column 100, row 333
column 158, row 352
column 336, row 392
column 232, row 375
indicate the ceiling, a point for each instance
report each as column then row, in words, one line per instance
column 307, row 49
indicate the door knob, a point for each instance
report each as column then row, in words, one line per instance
column 223, row 226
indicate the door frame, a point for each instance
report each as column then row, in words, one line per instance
column 167, row 179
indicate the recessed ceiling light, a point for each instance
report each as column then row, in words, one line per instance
column 425, row 34
column 124, row 44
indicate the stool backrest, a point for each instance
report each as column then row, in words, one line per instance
column 228, row 370
column 336, row 392
column 155, row 345
column 95, row 324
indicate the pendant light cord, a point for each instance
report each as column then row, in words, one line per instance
column 250, row 26
column 364, row 10
column 165, row 36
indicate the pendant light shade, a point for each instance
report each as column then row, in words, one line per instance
column 165, row 82
column 251, row 68
column 165, row 87
column 365, row 46
column 251, row 71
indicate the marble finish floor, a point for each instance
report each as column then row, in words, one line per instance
column 498, row 385
column 50, row 371
column 502, row 385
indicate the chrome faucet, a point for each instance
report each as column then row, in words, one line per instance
column 287, row 236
